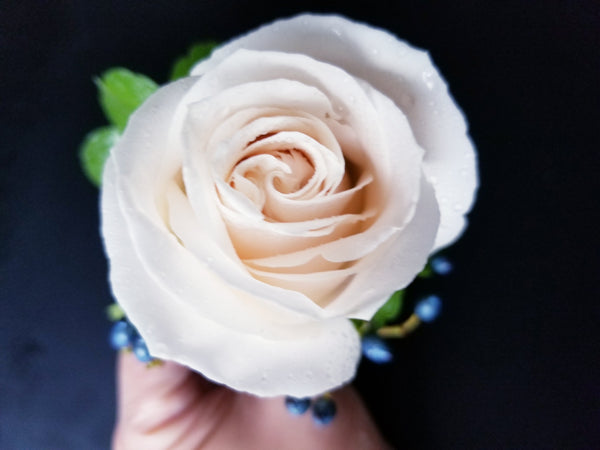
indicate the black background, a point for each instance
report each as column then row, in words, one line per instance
column 512, row 362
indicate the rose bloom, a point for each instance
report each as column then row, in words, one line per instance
column 301, row 175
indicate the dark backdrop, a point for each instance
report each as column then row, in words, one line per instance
column 513, row 360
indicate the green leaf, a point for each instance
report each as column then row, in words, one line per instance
column 121, row 92
column 389, row 311
column 360, row 325
column 115, row 312
column 95, row 149
column 427, row 272
column 197, row 52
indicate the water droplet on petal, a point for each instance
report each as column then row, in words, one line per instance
column 427, row 77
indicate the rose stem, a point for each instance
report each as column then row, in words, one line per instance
column 398, row 331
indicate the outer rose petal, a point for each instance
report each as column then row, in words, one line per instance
column 399, row 71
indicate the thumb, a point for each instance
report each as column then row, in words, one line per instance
column 157, row 406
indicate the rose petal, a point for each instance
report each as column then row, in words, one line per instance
column 401, row 72
column 320, row 287
column 390, row 266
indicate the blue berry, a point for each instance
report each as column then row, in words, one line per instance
column 375, row 349
column 297, row 406
column 429, row 308
column 122, row 335
column 323, row 410
column 441, row 265
column 140, row 350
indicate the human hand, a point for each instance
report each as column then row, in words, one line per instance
column 171, row 407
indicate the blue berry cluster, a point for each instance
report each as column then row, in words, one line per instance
column 441, row 265
column 375, row 349
column 323, row 408
column 124, row 335
column 428, row 308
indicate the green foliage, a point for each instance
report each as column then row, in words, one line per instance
column 197, row 52
column 360, row 325
column 427, row 272
column 95, row 149
column 115, row 312
column 121, row 92
column 389, row 311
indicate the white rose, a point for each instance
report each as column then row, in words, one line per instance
column 300, row 176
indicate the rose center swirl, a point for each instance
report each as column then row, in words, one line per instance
column 301, row 162
column 289, row 170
